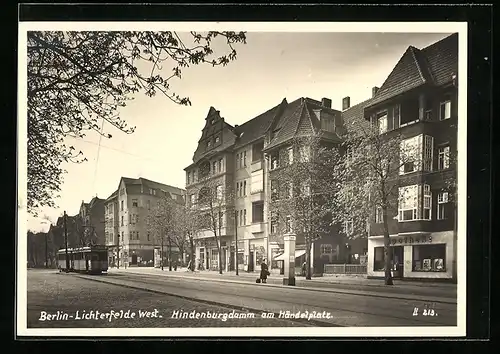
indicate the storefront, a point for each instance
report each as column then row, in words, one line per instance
column 207, row 254
column 414, row 256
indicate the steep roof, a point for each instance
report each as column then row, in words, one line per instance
column 256, row 128
column 355, row 114
column 432, row 65
column 299, row 120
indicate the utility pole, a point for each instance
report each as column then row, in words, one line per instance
column 236, row 240
column 66, row 241
column 118, row 253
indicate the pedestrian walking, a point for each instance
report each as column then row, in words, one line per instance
column 304, row 268
column 264, row 271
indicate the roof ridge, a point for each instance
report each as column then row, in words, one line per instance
column 415, row 59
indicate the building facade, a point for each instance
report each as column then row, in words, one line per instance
column 128, row 237
column 418, row 101
column 92, row 222
column 239, row 160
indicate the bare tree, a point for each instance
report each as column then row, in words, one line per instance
column 161, row 222
column 188, row 221
column 214, row 201
column 302, row 190
column 77, row 80
column 369, row 179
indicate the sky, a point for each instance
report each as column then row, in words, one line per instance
column 270, row 67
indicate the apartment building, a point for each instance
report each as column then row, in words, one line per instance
column 92, row 223
column 419, row 101
column 240, row 160
column 128, row 238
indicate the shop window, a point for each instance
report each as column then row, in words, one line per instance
column 379, row 259
column 429, row 258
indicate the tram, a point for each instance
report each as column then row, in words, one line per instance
column 90, row 260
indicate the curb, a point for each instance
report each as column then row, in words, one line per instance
column 442, row 300
column 311, row 322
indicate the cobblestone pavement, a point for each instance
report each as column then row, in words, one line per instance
column 50, row 292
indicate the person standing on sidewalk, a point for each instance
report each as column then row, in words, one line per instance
column 264, row 271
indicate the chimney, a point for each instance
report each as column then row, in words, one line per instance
column 375, row 90
column 346, row 103
column 326, row 102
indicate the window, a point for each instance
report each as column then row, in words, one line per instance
column 218, row 192
column 378, row 259
column 214, row 167
column 257, row 154
column 396, row 116
column 275, row 161
column 427, row 202
column 429, row 258
column 274, row 223
column 445, row 110
column 379, row 215
column 209, row 143
column 411, row 154
column 442, row 206
column 348, row 227
column 123, row 234
column 305, row 153
column 257, row 212
column 257, row 181
column 428, row 152
column 244, row 217
column 122, row 220
column 288, row 190
column 274, row 190
column 217, row 139
column 443, row 157
column 192, row 199
column 135, row 203
column 241, row 218
column 290, row 155
column 325, row 249
column 121, row 205
column 220, row 166
column 306, row 189
column 288, row 224
column 188, row 179
column 238, row 161
column 382, row 122
column 244, row 188
column 244, row 159
column 148, row 204
column 149, row 236
column 137, row 235
column 408, row 203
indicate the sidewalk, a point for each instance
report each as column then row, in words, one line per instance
column 353, row 286
column 361, row 280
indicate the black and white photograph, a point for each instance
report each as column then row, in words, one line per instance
column 242, row 179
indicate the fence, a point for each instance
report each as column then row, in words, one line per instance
column 345, row 268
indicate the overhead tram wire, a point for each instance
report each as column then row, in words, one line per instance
column 98, row 153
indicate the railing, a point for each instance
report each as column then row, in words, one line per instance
column 345, row 269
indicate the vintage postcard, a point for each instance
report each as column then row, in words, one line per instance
column 184, row 179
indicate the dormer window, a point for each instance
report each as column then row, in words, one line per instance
column 212, row 121
column 209, row 143
column 217, row 139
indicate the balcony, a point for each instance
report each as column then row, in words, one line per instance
column 258, row 227
column 257, row 165
column 257, row 196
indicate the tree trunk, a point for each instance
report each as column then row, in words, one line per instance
column 387, row 250
column 192, row 253
column 161, row 254
column 308, row 259
column 169, row 254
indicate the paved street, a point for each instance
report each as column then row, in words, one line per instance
column 167, row 292
column 50, row 291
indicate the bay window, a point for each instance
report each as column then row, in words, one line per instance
column 416, row 154
column 410, row 206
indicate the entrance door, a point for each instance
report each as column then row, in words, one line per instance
column 398, row 261
column 251, row 265
column 134, row 259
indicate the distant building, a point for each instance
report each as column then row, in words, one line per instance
column 126, row 232
column 419, row 100
column 92, row 222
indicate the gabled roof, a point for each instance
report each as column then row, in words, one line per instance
column 355, row 114
column 433, row 65
column 299, row 120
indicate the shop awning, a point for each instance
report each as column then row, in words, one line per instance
column 298, row 254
